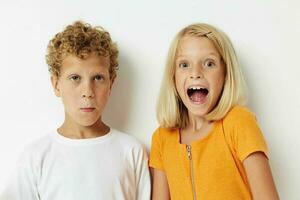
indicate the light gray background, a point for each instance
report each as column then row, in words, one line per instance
column 265, row 34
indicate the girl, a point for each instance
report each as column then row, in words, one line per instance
column 208, row 146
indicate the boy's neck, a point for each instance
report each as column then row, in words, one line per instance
column 72, row 131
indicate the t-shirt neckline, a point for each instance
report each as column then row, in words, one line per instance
column 87, row 141
column 196, row 142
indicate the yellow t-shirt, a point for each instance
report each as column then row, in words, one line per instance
column 215, row 169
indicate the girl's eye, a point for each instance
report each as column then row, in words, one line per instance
column 75, row 78
column 209, row 64
column 98, row 77
column 183, row 65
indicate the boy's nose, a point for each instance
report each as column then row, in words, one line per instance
column 87, row 91
column 87, row 95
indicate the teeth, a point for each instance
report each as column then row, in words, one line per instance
column 196, row 87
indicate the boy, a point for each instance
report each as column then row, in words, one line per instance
column 84, row 159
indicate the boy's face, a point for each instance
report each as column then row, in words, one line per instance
column 84, row 87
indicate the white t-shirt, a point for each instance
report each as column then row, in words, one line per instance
column 113, row 166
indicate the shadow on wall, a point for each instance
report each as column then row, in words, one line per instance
column 253, row 98
column 117, row 111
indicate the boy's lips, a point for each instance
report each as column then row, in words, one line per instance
column 87, row 109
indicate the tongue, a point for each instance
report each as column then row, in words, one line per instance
column 198, row 96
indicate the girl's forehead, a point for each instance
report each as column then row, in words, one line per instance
column 189, row 45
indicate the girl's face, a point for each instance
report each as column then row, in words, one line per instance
column 199, row 74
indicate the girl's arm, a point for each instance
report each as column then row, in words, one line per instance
column 260, row 177
column 160, row 188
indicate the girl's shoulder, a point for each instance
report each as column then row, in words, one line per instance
column 239, row 123
column 239, row 117
column 242, row 132
column 162, row 133
column 238, row 114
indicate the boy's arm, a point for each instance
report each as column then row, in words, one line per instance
column 143, row 182
column 260, row 177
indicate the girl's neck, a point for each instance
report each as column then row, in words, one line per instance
column 196, row 124
column 197, row 129
column 75, row 131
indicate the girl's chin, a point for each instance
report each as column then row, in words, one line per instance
column 197, row 113
column 197, row 108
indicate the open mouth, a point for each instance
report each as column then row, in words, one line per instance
column 197, row 94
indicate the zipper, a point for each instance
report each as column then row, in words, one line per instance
column 189, row 153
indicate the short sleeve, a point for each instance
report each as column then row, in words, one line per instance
column 22, row 183
column 143, row 183
column 245, row 135
column 155, row 160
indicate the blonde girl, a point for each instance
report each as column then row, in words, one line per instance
column 208, row 145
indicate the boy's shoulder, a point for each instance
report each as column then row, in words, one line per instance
column 126, row 140
column 39, row 143
column 36, row 149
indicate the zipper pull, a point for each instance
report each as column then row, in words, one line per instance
column 188, row 148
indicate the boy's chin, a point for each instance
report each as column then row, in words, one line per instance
column 89, row 123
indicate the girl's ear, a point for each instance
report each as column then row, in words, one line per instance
column 54, row 81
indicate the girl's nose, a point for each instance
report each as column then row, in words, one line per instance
column 196, row 73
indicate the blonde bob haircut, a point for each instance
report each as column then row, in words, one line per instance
column 171, row 112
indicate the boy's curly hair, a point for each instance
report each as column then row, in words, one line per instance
column 81, row 39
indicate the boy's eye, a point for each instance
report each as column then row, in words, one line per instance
column 75, row 78
column 183, row 65
column 98, row 77
column 209, row 63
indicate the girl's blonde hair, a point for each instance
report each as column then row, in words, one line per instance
column 171, row 112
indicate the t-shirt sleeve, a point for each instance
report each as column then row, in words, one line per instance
column 143, row 182
column 22, row 183
column 245, row 135
column 155, row 160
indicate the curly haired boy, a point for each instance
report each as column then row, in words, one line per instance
column 83, row 159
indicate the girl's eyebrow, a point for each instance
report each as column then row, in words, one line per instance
column 179, row 56
column 216, row 55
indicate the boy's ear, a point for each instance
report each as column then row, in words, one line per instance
column 111, row 85
column 112, row 82
column 54, row 81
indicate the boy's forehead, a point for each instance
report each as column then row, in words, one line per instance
column 92, row 62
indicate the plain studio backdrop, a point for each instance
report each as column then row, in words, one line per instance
column 265, row 35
